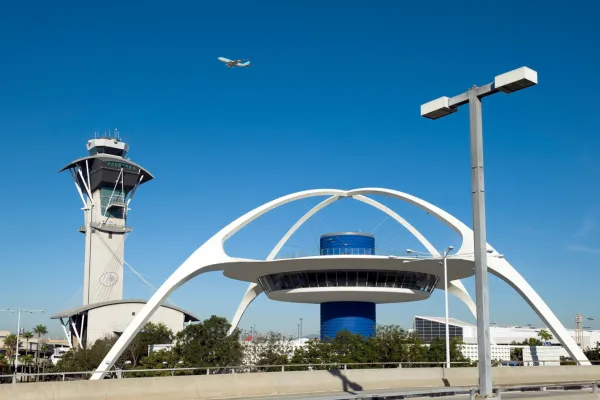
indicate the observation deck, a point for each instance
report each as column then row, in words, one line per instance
column 353, row 274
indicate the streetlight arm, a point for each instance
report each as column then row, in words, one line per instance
column 508, row 82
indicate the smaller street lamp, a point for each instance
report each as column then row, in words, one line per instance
column 446, row 252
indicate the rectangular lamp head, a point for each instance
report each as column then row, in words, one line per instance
column 437, row 108
column 515, row 80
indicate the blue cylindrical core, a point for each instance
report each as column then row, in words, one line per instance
column 355, row 316
column 347, row 243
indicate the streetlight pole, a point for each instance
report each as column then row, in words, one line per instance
column 19, row 310
column 445, row 263
column 300, row 329
column 446, row 301
column 509, row 82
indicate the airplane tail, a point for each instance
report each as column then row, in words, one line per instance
column 246, row 64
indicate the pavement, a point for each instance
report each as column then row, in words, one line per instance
column 396, row 394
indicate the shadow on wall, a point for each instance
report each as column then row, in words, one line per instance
column 534, row 356
column 347, row 385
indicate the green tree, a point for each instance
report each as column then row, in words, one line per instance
column 313, row 352
column 437, row 353
column 545, row 335
column 39, row 330
column 206, row 344
column 151, row 334
column 348, row 348
column 593, row 354
column 26, row 361
column 159, row 360
column 4, row 364
column 27, row 336
column 10, row 345
column 87, row 359
column 516, row 353
column 391, row 343
column 270, row 349
column 44, row 350
column 533, row 342
column 416, row 351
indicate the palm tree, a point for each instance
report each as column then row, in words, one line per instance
column 4, row 362
column 10, row 344
column 40, row 330
column 26, row 361
column 44, row 349
column 545, row 335
column 27, row 336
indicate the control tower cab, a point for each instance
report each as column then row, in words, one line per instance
column 106, row 181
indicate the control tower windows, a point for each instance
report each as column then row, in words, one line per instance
column 112, row 203
column 107, row 150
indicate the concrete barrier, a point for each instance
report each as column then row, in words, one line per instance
column 287, row 383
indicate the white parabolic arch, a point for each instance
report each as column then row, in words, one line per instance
column 211, row 256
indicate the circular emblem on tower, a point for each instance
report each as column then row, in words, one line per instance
column 109, row 279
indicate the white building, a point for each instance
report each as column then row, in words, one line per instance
column 86, row 324
column 430, row 328
column 502, row 337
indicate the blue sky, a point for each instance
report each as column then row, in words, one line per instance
column 332, row 100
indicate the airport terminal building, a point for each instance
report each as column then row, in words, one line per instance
column 503, row 338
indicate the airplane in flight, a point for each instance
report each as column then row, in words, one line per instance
column 235, row 63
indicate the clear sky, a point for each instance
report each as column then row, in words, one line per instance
column 331, row 100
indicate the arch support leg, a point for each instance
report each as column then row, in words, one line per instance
column 184, row 273
column 457, row 289
column 252, row 292
column 502, row 269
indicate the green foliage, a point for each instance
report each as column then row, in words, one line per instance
column 39, row 330
column 86, row 359
column 149, row 335
column 160, row 362
column 5, row 363
column 270, row 349
column 10, row 344
column 351, row 348
column 313, row 352
column 545, row 335
column 391, row 344
column 533, row 342
column 206, row 344
column 437, row 353
column 593, row 354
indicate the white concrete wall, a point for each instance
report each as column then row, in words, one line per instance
column 106, row 320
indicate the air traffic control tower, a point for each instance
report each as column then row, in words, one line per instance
column 106, row 181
